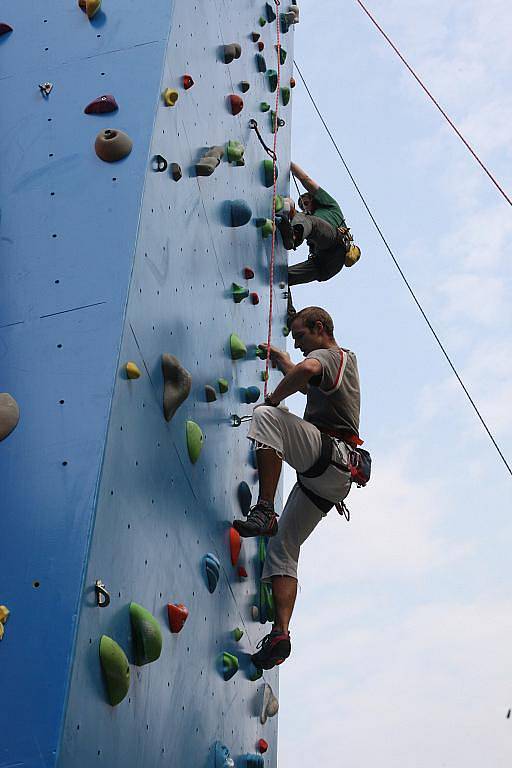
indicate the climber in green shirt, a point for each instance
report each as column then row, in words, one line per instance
column 322, row 224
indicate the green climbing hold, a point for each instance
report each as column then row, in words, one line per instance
column 279, row 203
column 285, row 95
column 272, row 79
column 210, row 393
column 267, row 228
column 237, row 634
column 261, row 63
column 268, row 172
column 229, row 665
column 262, row 21
column 239, row 292
column 276, row 122
column 271, row 16
column 255, row 674
column 116, row 669
column 261, row 353
column 264, row 107
column 223, row 386
column 237, row 347
column 195, row 440
column 235, row 151
column 147, row 635
column 282, row 55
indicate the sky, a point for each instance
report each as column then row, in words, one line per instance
column 402, row 634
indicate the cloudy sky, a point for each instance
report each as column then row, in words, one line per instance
column 402, row 637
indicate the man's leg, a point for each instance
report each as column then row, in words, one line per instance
column 284, row 591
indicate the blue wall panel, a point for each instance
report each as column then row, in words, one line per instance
column 127, row 507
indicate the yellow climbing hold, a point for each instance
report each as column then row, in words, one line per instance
column 4, row 615
column 90, row 7
column 132, row 371
column 170, row 97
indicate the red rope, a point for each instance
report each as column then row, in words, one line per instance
column 274, row 161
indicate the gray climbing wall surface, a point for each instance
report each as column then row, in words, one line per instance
column 104, row 264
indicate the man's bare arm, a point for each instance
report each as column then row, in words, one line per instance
column 296, row 380
column 306, row 181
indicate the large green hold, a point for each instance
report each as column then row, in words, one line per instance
column 268, row 172
column 116, row 669
column 237, row 347
column 285, row 95
column 195, row 439
column 235, row 151
column 147, row 635
column 229, row 665
column 272, row 79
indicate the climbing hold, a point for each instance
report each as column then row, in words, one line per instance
column 210, row 393
column 46, row 89
column 264, row 106
column 239, row 293
column 272, row 79
column 292, row 82
column 9, row 414
column 101, row 105
column 252, row 394
column 176, row 171
column 177, row 384
column 112, row 145
column 195, row 439
column 270, row 704
column 279, row 203
column 229, row 665
column 5, row 28
column 230, row 52
column 4, row 615
column 255, row 299
column 177, row 614
column 244, row 86
column 261, row 45
column 253, row 761
column 267, row 228
column 209, row 161
column 271, row 16
column 262, row 746
column 240, row 213
column 211, row 566
column 159, row 163
column 242, row 573
column 170, row 97
column 255, row 613
column 248, row 273
column 268, row 172
column 262, row 21
column 282, row 54
column 116, row 669
column 237, row 347
column 294, row 9
column 132, row 371
column 244, row 498
column 353, row 255
column 237, row 634
column 236, row 103
column 235, row 545
column 222, row 756
column 235, row 151
column 275, row 122
column 255, row 36
column 264, row 375
column 287, row 20
column 261, row 63
column 187, row 82
column 223, row 386
column 255, row 674
column 90, row 7
column 286, row 330
column 285, row 95
column 147, row 635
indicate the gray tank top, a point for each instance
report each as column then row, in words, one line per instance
column 334, row 399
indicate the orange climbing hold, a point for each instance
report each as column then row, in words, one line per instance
column 262, row 746
column 255, row 299
column 188, row 82
column 292, row 82
column 235, row 545
column 242, row 572
column 178, row 614
column 236, row 103
column 248, row 273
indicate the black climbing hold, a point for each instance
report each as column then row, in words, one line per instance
column 261, row 63
column 269, row 11
column 5, row 28
column 255, row 36
column 244, row 86
column 239, row 292
column 209, row 161
column 176, row 172
column 177, row 384
column 112, row 145
column 282, row 55
column 101, row 105
column 159, row 163
column 210, row 393
column 244, row 498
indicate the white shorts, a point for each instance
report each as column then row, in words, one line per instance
column 299, row 443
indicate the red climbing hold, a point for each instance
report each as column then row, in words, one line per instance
column 292, row 82
column 5, row 28
column 236, row 103
column 242, row 572
column 187, row 82
column 261, row 45
column 255, row 299
column 248, row 273
column 262, row 746
column 102, row 105
column 178, row 614
column 235, row 545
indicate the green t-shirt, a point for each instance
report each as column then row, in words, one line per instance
column 328, row 209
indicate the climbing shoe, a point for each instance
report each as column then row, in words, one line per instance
column 261, row 521
column 352, row 256
column 286, row 231
column 275, row 648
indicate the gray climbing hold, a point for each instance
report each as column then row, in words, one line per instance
column 176, row 171
column 112, row 145
column 177, row 384
column 210, row 393
column 209, row 161
column 230, row 52
column 9, row 414
column 270, row 704
column 240, row 213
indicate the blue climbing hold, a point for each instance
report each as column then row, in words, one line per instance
column 222, row 757
column 244, row 498
column 252, row 394
column 253, row 761
column 240, row 213
column 211, row 567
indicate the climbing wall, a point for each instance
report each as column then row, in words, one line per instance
column 105, row 263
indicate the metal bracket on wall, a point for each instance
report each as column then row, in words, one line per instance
column 102, row 594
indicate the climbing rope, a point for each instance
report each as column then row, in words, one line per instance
column 274, row 194
column 436, row 103
column 402, row 275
